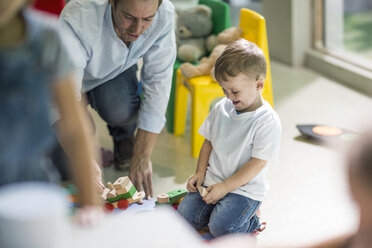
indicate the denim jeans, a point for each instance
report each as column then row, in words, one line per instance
column 232, row 214
column 117, row 102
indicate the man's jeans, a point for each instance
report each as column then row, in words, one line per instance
column 232, row 214
column 117, row 102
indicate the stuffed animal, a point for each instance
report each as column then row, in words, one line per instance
column 206, row 64
column 194, row 27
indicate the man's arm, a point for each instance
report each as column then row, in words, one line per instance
column 141, row 166
column 156, row 78
column 76, row 48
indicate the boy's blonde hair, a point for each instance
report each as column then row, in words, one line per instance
column 240, row 56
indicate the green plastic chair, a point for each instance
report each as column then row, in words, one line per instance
column 221, row 21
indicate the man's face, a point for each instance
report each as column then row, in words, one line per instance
column 132, row 17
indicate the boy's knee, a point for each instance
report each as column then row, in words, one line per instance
column 184, row 210
column 187, row 210
column 181, row 208
column 218, row 229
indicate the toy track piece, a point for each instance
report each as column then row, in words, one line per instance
column 177, row 194
column 123, row 204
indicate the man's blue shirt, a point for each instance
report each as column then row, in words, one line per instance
column 100, row 55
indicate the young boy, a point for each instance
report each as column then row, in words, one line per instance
column 242, row 134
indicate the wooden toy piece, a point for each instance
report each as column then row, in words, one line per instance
column 124, row 184
column 138, row 197
column 177, row 194
column 109, row 184
column 111, row 194
column 123, row 204
column 163, row 198
column 127, row 195
column 121, row 191
column 109, row 207
column 202, row 190
column 105, row 192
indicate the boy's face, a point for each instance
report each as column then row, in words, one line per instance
column 243, row 91
column 132, row 17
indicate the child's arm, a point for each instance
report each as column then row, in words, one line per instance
column 245, row 174
column 241, row 177
column 75, row 134
column 197, row 179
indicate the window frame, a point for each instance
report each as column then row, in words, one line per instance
column 320, row 33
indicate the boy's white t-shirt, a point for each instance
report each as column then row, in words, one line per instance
column 236, row 138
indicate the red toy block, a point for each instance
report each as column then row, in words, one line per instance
column 109, row 207
column 123, row 204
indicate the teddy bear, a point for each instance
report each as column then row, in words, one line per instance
column 206, row 64
column 194, row 28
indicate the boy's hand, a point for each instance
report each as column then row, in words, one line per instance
column 195, row 181
column 216, row 192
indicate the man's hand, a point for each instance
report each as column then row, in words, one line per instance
column 215, row 193
column 140, row 166
column 195, row 181
column 141, row 175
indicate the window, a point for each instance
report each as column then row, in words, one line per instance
column 236, row 5
column 344, row 29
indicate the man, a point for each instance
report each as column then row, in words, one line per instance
column 108, row 37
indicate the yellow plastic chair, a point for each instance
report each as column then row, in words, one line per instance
column 204, row 89
column 221, row 20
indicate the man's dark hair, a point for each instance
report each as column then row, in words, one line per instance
column 115, row 2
